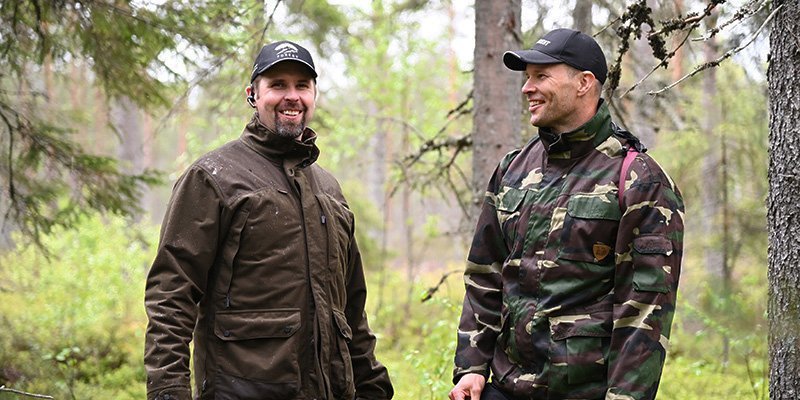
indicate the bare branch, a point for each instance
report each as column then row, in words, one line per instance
column 690, row 20
column 454, row 189
column 458, row 143
column 745, row 11
column 432, row 290
column 663, row 63
column 608, row 25
column 460, row 109
column 3, row 388
column 719, row 60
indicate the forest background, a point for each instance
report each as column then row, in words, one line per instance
column 394, row 115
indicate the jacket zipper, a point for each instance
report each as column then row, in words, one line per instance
column 318, row 342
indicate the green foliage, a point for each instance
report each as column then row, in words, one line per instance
column 321, row 20
column 368, row 219
column 397, row 94
column 132, row 49
column 720, row 340
column 416, row 340
column 52, row 181
column 72, row 325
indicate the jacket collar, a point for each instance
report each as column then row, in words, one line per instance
column 579, row 142
column 279, row 149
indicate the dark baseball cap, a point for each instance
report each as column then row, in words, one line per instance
column 283, row 50
column 567, row 46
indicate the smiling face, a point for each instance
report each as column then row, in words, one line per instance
column 285, row 98
column 556, row 96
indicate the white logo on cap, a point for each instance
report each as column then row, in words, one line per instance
column 543, row 42
column 286, row 50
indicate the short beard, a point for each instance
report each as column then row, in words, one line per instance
column 290, row 131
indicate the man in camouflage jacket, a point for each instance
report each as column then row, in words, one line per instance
column 570, row 287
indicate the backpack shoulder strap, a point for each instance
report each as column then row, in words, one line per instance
column 634, row 147
column 623, row 172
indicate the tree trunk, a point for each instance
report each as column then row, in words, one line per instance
column 711, row 188
column 127, row 121
column 582, row 16
column 497, row 100
column 783, row 204
column 714, row 224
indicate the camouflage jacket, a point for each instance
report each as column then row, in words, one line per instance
column 569, row 295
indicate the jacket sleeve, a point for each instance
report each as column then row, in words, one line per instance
column 649, row 249
column 479, row 324
column 371, row 377
column 176, row 282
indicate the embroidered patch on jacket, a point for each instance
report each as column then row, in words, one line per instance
column 601, row 251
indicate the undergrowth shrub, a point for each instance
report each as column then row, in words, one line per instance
column 73, row 321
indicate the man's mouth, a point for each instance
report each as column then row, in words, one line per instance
column 290, row 113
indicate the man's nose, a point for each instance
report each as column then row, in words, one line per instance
column 292, row 94
column 527, row 87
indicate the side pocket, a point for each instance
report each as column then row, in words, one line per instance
column 649, row 263
column 261, row 347
column 341, row 363
column 579, row 354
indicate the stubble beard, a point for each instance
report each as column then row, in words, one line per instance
column 289, row 130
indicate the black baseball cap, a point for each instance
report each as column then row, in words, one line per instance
column 567, row 46
column 283, row 50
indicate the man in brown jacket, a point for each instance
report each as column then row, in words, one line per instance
column 257, row 263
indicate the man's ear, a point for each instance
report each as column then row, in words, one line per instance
column 587, row 80
column 250, row 96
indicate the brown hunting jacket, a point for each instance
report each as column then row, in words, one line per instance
column 258, row 266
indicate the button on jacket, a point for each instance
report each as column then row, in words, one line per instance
column 257, row 246
column 570, row 293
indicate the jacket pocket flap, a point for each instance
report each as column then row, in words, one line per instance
column 578, row 325
column 652, row 244
column 509, row 199
column 256, row 324
column 593, row 207
column 341, row 324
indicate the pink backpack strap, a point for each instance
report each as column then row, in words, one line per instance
column 623, row 172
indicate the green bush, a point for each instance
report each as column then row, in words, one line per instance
column 73, row 324
column 417, row 339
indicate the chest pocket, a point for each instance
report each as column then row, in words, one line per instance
column 590, row 229
column 509, row 205
column 338, row 221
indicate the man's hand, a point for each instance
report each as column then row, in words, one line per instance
column 469, row 386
